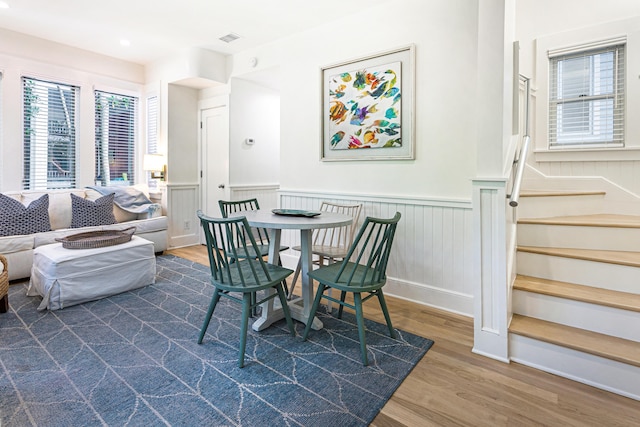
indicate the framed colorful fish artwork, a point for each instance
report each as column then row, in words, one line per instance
column 367, row 108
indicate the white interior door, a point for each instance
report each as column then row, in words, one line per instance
column 214, row 174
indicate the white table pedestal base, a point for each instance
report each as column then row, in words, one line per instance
column 275, row 313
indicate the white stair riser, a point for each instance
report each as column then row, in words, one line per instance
column 602, row 275
column 541, row 207
column 561, row 236
column 596, row 371
column 602, row 319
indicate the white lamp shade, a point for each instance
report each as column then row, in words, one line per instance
column 153, row 162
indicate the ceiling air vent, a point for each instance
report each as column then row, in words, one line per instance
column 229, row 37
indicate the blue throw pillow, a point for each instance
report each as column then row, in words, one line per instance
column 87, row 213
column 18, row 219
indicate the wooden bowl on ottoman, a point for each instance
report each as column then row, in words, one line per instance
column 4, row 286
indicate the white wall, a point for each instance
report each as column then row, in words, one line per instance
column 254, row 112
column 22, row 55
column 183, row 128
column 445, row 36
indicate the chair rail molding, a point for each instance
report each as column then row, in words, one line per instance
column 431, row 261
column 491, row 290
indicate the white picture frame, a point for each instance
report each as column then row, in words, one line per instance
column 368, row 107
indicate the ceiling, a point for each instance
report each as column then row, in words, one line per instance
column 160, row 28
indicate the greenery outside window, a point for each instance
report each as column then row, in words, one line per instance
column 49, row 134
column 587, row 97
column 116, row 128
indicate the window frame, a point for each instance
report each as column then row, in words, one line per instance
column 30, row 175
column 133, row 161
column 588, row 136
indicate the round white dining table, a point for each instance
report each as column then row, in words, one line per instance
column 299, row 307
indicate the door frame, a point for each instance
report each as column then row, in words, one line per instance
column 216, row 101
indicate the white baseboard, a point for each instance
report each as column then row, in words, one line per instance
column 430, row 296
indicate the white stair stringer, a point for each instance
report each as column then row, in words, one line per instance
column 583, row 237
column 604, row 275
column 596, row 371
column 616, row 200
column 593, row 317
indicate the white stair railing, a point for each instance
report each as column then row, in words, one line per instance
column 520, row 160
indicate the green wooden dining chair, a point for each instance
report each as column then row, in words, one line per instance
column 236, row 207
column 235, row 271
column 362, row 271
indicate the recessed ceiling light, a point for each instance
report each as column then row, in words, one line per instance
column 125, row 42
column 229, row 37
column 3, row 5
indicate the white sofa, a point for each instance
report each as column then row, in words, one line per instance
column 18, row 249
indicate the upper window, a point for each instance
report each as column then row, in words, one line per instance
column 49, row 134
column 586, row 97
column 115, row 138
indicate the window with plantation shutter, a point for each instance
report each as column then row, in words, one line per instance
column 49, row 134
column 115, row 121
column 152, row 136
column 587, row 97
column 152, row 125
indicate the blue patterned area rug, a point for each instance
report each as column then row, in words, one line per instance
column 132, row 360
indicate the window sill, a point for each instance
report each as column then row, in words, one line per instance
column 588, row 155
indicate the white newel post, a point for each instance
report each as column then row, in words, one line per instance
column 491, row 291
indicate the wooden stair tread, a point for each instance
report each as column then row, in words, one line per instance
column 618, row 349
column 631, row 259
column 595, row 220
column 559, row 193
column 588, row 294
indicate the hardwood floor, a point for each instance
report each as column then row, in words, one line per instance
column 451, row 386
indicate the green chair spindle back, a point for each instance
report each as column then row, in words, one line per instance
column 372, row 245
column 231, row 208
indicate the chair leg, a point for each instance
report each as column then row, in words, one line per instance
column 361, row 331
column 246, row 312
column 343, row 296
column 254, row 308
column 285, row 308
column 284, row 281
column 329, row 292
column 314, row 308
column 383, row 306
column 295, row 279
column 207, row 319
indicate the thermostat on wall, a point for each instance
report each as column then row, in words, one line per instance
column 250, row 141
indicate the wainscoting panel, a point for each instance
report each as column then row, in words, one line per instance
column 267, row 195
column 183, row 201
column 491, row 287
column 432, row 256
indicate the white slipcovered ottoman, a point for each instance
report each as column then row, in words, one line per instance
column 64, row 277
